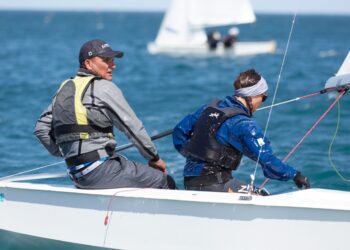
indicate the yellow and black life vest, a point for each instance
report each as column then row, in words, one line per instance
column 70, row 119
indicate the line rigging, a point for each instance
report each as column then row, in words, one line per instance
column 341, row 94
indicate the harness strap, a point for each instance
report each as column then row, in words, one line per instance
column 83, row 169
column 75, row 128
column 85, row 158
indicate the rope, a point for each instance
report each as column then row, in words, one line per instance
column 30, row 170
column 108, row 211
column 314, row 126
column 331, row 146
column 274, row 97
column 296, row 99
column 342, row 93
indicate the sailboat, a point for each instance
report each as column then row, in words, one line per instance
column 182, row 31
column 44, row 216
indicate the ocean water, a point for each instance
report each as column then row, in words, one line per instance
column 40, row 49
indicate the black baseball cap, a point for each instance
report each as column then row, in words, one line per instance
column 97, row 47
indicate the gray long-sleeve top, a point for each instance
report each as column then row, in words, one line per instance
column 106, row 106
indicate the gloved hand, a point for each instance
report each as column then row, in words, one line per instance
column 261, row 191
column 301, row 181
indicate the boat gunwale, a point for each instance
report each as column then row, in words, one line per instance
column 311, row 198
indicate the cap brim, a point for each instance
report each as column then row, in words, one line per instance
column 112, row 54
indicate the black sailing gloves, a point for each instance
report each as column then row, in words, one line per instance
column 301, row 181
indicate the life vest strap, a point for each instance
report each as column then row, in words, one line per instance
column 78, row 171
column 84, row 158
column 75, row 128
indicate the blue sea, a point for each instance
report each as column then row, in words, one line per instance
column 40, row 49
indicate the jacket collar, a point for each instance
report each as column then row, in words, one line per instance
column 84, row 72
column 231, row 101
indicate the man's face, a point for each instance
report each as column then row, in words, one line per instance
column 101, row 66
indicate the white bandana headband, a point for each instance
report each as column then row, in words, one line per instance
column 259, row 88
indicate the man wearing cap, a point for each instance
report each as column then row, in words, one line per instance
column 78, row 125
column 217, row 135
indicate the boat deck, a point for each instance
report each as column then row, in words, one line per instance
column 310, row 198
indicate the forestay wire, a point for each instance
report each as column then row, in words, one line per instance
column 274, row 97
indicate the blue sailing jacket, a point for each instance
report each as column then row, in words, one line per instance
column 239, row 131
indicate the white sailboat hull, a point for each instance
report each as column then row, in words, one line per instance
column 166, row 219
column 239, row 49
column 183, row 29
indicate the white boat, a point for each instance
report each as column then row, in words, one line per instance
column 165, row 219
column 182, row 31
column 40, row 216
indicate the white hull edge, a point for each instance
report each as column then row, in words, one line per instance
column 239, row 49
column 167, row 219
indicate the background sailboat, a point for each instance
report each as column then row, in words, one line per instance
column 182, row 31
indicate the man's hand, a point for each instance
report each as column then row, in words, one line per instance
column 301, row 181
column 159, row 164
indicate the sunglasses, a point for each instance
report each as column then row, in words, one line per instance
column 264, row 97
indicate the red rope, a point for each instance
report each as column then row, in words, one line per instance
column 310, row 95
column 106, row 220
column 323, row 91
column 342, row 93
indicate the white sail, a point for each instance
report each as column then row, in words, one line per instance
column 207, row 13
column 182, row 31
column 175, row 28
column 342, row 77
column 345, row 67
column 185, row 19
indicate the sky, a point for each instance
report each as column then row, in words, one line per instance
column 260, row 6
